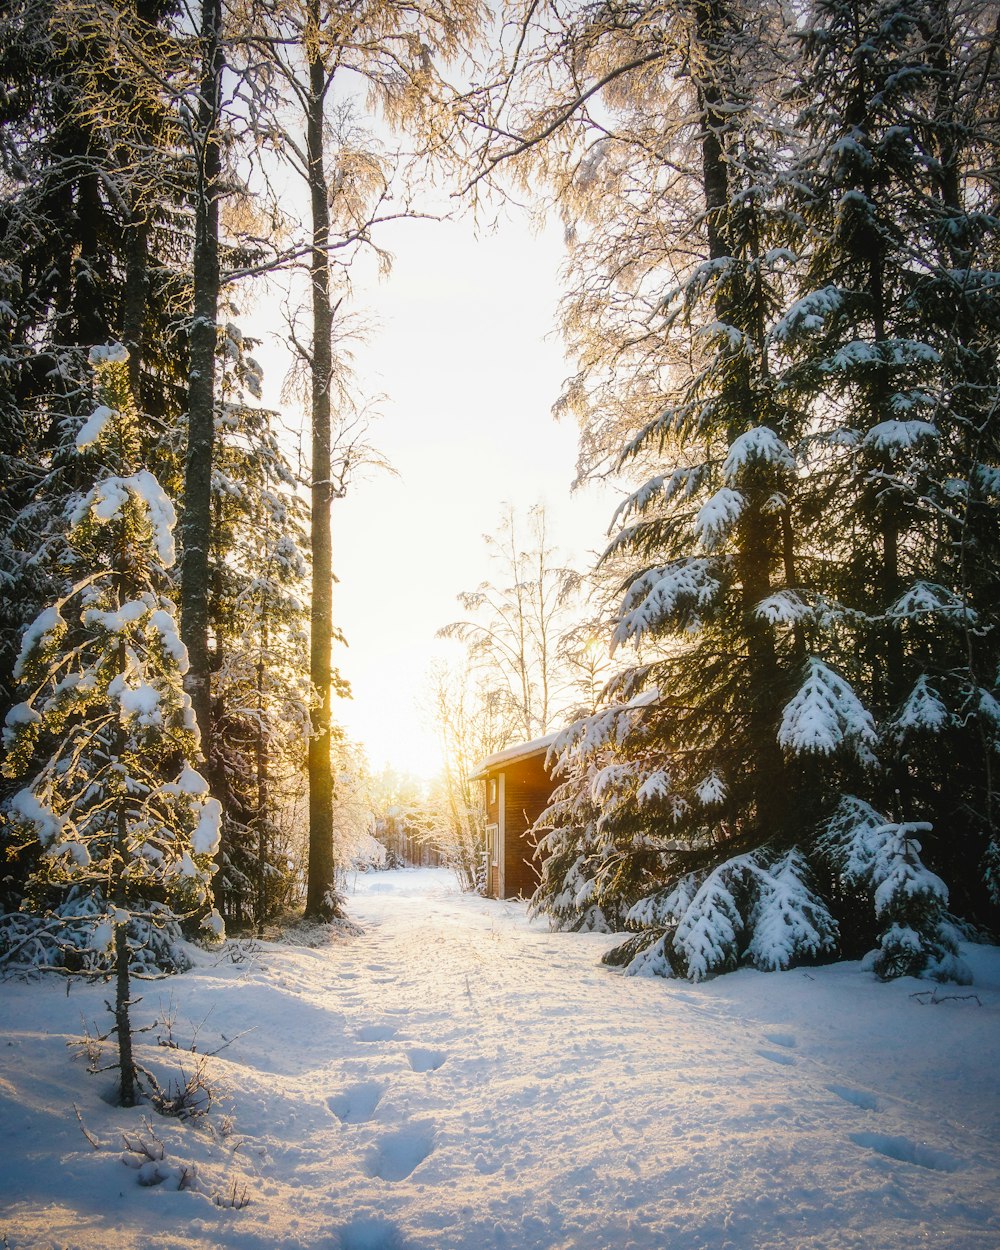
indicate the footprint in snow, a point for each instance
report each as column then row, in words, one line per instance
column 906, row 1151
column 776, row 1057
column 357, row 1104
column 780, row 1039
column 370, row 1235
column 376, row 1032
column 395, row 1156
column 422, row 1060
column 856, row 1097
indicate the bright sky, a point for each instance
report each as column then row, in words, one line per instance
column 467, row 357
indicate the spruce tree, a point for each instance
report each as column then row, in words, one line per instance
column 895, row 294
column 126, row 828
column 804, row 636
column 684, row 767
column 260, row 627
column 92, row 239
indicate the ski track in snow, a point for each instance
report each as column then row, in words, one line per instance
column 458, row 1078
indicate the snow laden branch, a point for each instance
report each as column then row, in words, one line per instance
column 753, row 909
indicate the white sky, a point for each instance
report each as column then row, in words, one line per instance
column 466, row 355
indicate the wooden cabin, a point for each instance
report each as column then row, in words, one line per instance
column 518, row 789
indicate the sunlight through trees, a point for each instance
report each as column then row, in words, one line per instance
column 774, row 694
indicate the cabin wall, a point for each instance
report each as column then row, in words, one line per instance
column 528, row 789
column 516, row 795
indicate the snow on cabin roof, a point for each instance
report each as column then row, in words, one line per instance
column 509, row 755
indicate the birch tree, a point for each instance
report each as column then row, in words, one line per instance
column 517, row 620
column 385, row 54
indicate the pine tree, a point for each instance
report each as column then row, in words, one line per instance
column 802, row 629
column 92, row 238
column 259, row 626
column 880, row 349
column 92, row 241
column 695, row 776
column 125, row 824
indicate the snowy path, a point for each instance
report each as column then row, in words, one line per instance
column 457, row 1079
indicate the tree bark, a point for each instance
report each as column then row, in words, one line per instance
column 320, row 896
column 122, row 965
column 195, row 525
column 263, row 782
column 123, row 1025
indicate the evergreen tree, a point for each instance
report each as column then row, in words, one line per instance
column 799, row 609
column 92, row 238
column 259, row 627
column 125, row 824
column 897, row 290
column 684, row 771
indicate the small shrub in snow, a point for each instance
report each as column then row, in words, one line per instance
column 146, row 1155
column 186, row 1095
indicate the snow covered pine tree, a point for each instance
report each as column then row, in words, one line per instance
column 817, row 684
column 126, row 825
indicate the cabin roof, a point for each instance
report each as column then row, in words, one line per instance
column 511, row 755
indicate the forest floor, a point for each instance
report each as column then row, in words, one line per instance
column 459, row 1078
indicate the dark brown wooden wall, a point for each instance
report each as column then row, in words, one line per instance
column 528, row 788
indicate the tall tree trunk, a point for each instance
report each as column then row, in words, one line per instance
column 196, row 521
column 320, row 895
column 122, row 961
column 263, row 780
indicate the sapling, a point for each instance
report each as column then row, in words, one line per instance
column 105, row 731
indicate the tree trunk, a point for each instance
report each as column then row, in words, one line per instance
column 320, row 896
column 123, row 1025
column 263, row 783
column 195, row 525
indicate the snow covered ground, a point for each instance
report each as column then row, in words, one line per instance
column 458, row 1078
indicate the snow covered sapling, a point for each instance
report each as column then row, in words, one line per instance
column 882, row 858
column 125, row 823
